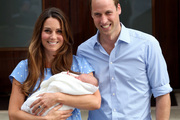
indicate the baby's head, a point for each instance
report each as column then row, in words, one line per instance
column 85, row 78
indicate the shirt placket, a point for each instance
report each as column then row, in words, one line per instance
column 113, row 84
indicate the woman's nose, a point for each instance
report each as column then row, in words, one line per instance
column 53, row 35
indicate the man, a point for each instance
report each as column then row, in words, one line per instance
column 129, row 66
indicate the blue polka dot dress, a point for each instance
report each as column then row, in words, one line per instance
column 79, row 65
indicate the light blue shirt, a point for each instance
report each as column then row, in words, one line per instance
column 79, row 65
column 134, row 70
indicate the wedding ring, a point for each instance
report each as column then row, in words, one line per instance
column 39, row 106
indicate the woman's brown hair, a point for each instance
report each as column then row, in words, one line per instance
column 36, row 56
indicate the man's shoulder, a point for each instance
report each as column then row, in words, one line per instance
column 139, row 34
column 89, row 43
column 142, row 36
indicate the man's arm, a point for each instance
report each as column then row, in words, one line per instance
column 163, row 105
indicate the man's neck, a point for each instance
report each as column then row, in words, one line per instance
column 108, row 41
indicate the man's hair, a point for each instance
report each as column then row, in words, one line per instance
column 115, row 3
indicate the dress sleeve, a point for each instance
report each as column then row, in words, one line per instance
column 85, row 67
column 81, row 65
column 20, row 72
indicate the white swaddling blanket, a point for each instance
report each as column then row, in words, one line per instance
column 61, row 82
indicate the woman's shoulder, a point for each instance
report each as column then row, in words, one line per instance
column 81, row 65
column 78, row 59
column 22, row 63
column 25, row 61
column 20, row 71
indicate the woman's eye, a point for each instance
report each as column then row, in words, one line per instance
column 47, row 31
column 59, row 31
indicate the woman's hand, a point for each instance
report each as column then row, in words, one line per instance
column 45, row 101
column 15, row 104
column 56, row 114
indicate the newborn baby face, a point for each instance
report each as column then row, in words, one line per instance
column 81, row 77
column 88, row 79
column 85, row 78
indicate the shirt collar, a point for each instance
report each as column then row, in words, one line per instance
column 96, row 39
column 124, row 36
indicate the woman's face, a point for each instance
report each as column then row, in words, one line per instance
column 51, row 36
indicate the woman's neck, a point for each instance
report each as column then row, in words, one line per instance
column 49, row 59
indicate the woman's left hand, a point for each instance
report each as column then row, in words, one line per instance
column 45, row 101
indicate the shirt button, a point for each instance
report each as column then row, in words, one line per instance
column 114, row 110
column 111, row 62
column 113, row 94
column 112, row 78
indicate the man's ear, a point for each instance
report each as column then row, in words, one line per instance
column 119, row 8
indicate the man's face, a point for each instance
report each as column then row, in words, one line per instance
column 106, row 16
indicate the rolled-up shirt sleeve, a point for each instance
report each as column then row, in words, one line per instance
column 157, row 70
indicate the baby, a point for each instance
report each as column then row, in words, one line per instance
column 64, row 82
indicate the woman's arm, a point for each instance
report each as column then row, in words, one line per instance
column 17, row 99
column 89, row 102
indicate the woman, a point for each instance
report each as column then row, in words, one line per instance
column 50, row 52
